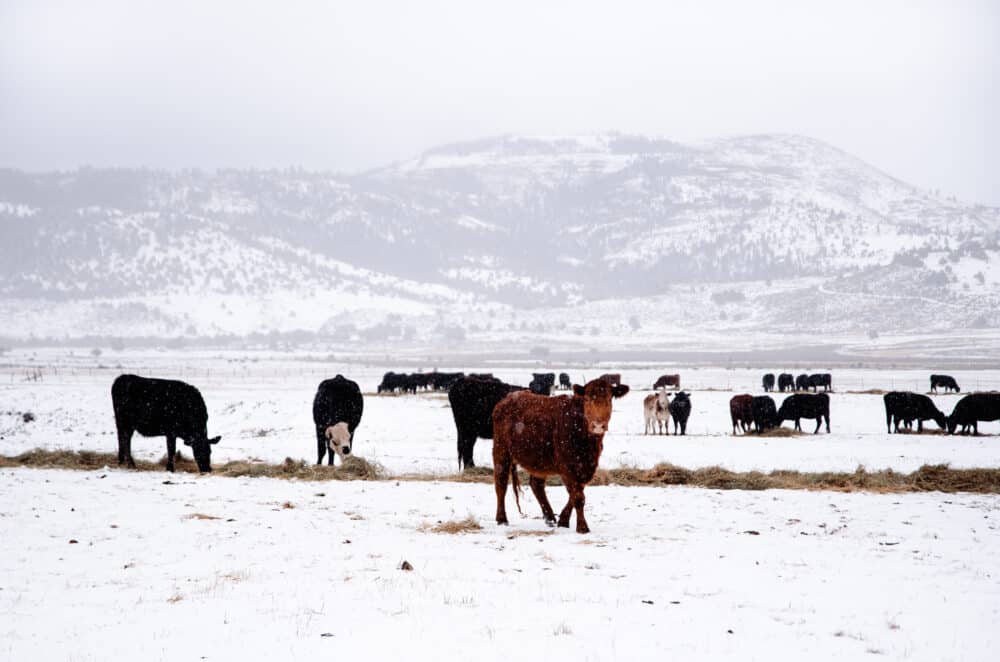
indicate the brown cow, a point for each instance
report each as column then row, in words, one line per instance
column 668, row 380
column 548, row 436
column 741, row 411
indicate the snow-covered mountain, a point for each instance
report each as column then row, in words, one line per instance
column 775, row 232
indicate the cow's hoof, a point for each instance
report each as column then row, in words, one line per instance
column 563, row 525
column 501, row 522
column 550, row 521
column 583, row 529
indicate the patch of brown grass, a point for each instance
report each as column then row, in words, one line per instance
column 927, row 478
column 779, row 432
column 869, row 391
column 454, row 526
column 200, row 516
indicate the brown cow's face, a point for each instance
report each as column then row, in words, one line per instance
column 597, row 403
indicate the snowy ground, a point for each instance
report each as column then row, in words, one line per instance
column 262, row 409
column 115, row 565
column 119, row 565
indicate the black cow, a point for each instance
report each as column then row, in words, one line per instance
column 806, row 405
column 768, row 382
column 904, row 407
column 442, row 381
column 337, row 410
column 786, row 382
column 823, row 379
column 155, row 407
column 472, row 402
column 973, row 408
column 542, row 383
column 947, row 382
column 802, row 382
column 392, row 382
column 564, row 381
column 680, row 409
column 764, row 413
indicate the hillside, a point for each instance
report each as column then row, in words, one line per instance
column 756, row 234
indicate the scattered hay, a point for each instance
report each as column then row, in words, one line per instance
column 201, row 516
column 926, row 478
column 454, row 526
column 779, row 432
column 870, row 391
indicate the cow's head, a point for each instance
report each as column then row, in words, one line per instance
column 951, row 423
column 662, row 400
column 201, row 447
column 597, row 396
column 338, row 439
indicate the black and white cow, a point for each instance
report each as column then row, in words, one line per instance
column 161, row 407
column 337, row 410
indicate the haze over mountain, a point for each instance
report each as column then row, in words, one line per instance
column 500, row 241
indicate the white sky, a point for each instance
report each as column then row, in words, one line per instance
column 912, row 87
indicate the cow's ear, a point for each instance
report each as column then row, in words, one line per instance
column 578, row 390
column 214, row 440
column 619, row 391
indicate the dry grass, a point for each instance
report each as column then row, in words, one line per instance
column 870, row 391
column 454, row 526
column 927, row 478
column 200, row 516
column 779, row 432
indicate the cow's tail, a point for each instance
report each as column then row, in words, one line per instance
column 515, row 485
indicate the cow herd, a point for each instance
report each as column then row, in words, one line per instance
column 545, row 436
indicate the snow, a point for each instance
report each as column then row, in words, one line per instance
column 176, row 566
column 295, row 570
column 262, row 409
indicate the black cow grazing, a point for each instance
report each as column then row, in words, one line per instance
column 786, row 382
column 802, row 382
column 337, row 410
column 973, row 408
column 155, row 407
column 674, row 381
column 806, row 405
column 680, row 409
column 764, row 412
column 542, row 383
column 472, row 402
column 824, row 379
column 564, row 381
column 768, row 382
column 392, row 382
column 904, row 407
column 947, row 382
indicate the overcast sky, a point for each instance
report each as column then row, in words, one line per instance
column 912, row 87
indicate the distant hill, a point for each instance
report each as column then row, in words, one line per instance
column 757, row 234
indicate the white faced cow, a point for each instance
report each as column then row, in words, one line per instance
column 657, row 413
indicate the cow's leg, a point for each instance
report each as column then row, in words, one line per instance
column 577, row 501
column 798, row 425
column 819, row 422
column 684, row 426
column 920, row 425
column 125, row 446
column 466, row 446
column 501, row 474
column 320, row 445
column 538, row 487
column 171, row 451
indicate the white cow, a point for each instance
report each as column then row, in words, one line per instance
column 656, row 409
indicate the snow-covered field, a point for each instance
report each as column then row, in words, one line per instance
column 118, row 565
column 263, row 410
